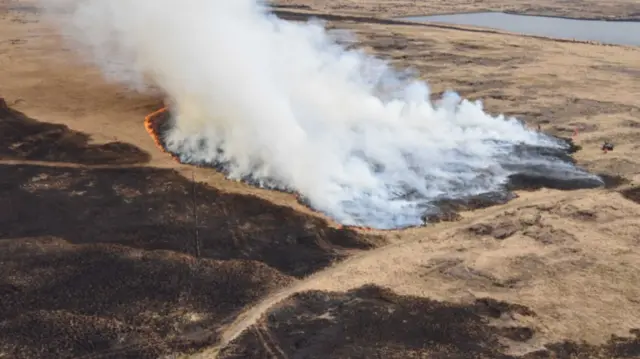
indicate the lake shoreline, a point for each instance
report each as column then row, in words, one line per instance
column 303, row 15
column 599, row 31
column 523, row 13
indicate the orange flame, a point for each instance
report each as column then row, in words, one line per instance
column 151, row 125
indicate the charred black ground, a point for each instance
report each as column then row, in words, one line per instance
column 27, row 139
column 375, row 322
column 526, row 177
column 102, row 257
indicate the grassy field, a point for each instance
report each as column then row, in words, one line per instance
column 102, row 256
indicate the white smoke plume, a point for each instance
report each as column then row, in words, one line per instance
column 281, row 103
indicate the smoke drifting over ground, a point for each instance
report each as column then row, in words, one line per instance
column 283, row 105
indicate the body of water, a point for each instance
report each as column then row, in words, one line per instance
column 610, row 32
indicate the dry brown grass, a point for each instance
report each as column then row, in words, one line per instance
column 98, row 253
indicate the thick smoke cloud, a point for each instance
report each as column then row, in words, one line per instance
column 282, row 104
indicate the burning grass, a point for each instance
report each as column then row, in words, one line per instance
column 152, row 123
column 157, row 122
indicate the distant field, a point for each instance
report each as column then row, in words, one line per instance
column 587, row 9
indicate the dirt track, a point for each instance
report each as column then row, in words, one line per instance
column 100, row 255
